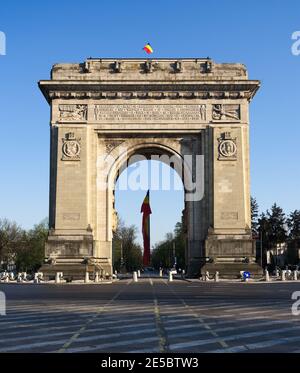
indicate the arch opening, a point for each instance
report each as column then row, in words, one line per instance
column 167, row 233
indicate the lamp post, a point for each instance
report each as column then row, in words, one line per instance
column 121, row 259
column 261, row 247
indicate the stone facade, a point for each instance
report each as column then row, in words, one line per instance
column 163, row 107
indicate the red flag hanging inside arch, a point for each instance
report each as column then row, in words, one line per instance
column 146, row 210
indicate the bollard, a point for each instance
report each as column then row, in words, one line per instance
column 97, row 277
column 277, row 272
column 243, row 278
column 36, row 278
column 160, row 272
column 11, row 276
column 6, row 279
column 135, row 278
column 267, row 276
column 206, row 276
column 139, row 273
column 283, row 275
column 295, row 275
column 170, row 279
column 19, row 277
column 57, row 277
column 217, row 276
column 87, row 277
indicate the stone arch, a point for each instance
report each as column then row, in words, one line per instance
column 200, row 109
column 143, row 148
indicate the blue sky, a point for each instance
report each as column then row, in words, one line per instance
column 39, row 34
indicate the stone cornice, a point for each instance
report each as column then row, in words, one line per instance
column 221, row 89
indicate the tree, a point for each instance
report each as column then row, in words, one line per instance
column 163, row 253
column 11, row 237
column 254, row 217
column 124, row 244
column 180, row 244
column 277, row 232
column 30, row 255
column 293, row 223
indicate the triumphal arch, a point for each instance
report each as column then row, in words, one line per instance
column 194, row 111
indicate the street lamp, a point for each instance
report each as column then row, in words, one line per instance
column 121, row 259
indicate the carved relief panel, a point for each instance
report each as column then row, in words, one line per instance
column 72, row 112
column 227, row 148
column 71, row 147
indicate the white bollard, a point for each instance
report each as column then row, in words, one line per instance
column 97, row 277
column 19, row 277
column 160, row 272
column 206, row 276
column 267, row 276
column 295, row 275
column 170, row 279
column 135, row 278
column 11, row 276
column 36, row 278
column 139, row 273
column 283, row 275
column 217, row 277
column 6, row 279
column 57, row 277
column 87, row 277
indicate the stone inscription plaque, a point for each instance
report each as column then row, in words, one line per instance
column 229, row 215
column 137, row 113
column 71, row 216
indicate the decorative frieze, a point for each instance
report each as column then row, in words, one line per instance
column 226, row 112
column 72, row 112
column 138, row 112
column 158, row 95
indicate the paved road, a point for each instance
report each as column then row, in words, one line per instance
column 150, row 316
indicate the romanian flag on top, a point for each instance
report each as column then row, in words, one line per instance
column 148, row 49
column 146, row 210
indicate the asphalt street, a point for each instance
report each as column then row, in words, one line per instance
column 152, row 315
